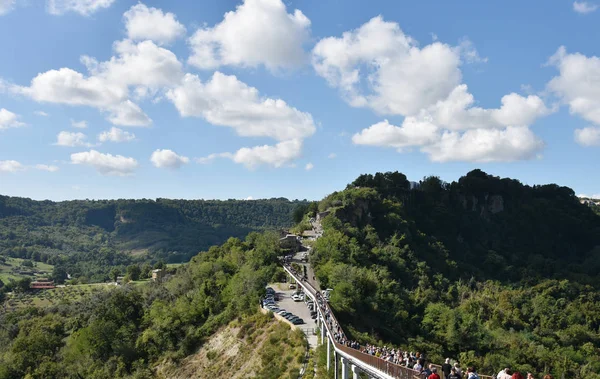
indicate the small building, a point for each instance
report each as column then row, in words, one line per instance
column 42, row 283
column 120, row 280
column 290, row 242
column 158, row 275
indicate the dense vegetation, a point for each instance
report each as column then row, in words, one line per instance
column 486, row 270
column 128, row 331
column 87, row 238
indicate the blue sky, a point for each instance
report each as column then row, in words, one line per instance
column 263, row 98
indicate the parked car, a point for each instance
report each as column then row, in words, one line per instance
column 292, row 286
column 298, row 321
column 270, row 291
column 283, row 313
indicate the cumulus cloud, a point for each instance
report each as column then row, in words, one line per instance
column 279, row 155
column 589, row 136
column 143, row 67
column 79, row 124
column 106, row 164
column 7, row 6
column 578, row 83
column 402, row 77
column 258, row 32
column 168, row 159
column 116, row 135
column 71, row 139
column 309, row 166
column 226, row 101
column 9, row 119
column 380, row 67
column 332, row 156
column 11, row 166
column 411, row 133
column 584, row 7
column 144, row 23
column 485, row 145
column 41, row 113
column 45, row 167
column 83, row 7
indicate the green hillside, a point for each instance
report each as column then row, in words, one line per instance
column 88, row 237
column 486, row 270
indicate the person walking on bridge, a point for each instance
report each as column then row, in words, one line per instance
column 434, row 374
column 446, row 368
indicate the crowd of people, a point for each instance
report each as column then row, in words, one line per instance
column 413, row 360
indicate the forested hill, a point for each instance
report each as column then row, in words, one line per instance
column 487, row 270
column 170, row 229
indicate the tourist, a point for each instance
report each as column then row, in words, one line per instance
column 517, row 375
column 446, row 368
column 504, row 374
column 434, row 374
column 530, row 376
column 418, row 366
column 454, row 374
column 472, row 373
column 458, row 369
column 548, row 376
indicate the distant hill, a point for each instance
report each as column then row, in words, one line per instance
column 113, row 232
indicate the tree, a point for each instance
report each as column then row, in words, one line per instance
column 114, row 273
column 22, row 285
column 133, row 272
column 59, row 274
column 27, row 263
column 146, row 269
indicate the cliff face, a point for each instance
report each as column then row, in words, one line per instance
column 486, row 206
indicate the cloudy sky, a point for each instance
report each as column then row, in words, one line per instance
column 265, row 98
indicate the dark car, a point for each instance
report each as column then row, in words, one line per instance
column 298, row 321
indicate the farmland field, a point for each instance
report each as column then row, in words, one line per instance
column 10, row 269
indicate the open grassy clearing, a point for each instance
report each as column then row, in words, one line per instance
column 13, row 269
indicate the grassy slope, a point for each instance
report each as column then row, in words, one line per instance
column 256, row 347
column 6, row 273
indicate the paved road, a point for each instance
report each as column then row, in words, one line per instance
column 298, row 308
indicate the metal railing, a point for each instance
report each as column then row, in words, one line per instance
column 386, row 367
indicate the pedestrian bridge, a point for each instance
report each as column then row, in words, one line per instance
column 351, row 360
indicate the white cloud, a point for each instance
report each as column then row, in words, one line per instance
column 226, row 101
column 402, row 77
column 144, row 23
column 584, row 7
column 83, row 7
column 589, row 136
column 143, row 67
column 411, row 133
column 9, row 119
column 258, row 32
column 279, row 155
column 249, row 198
column 379, row 67
column 71, row 139
column 485, row 145
column 332, row 156
column 44, row 167
column 168, row 159
column 309, row 166
column 11, row 166
column 6, row 6
column 578, row 83
column 41, row 113
column 106, row 164
column 116, row 135
column 79, row 124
